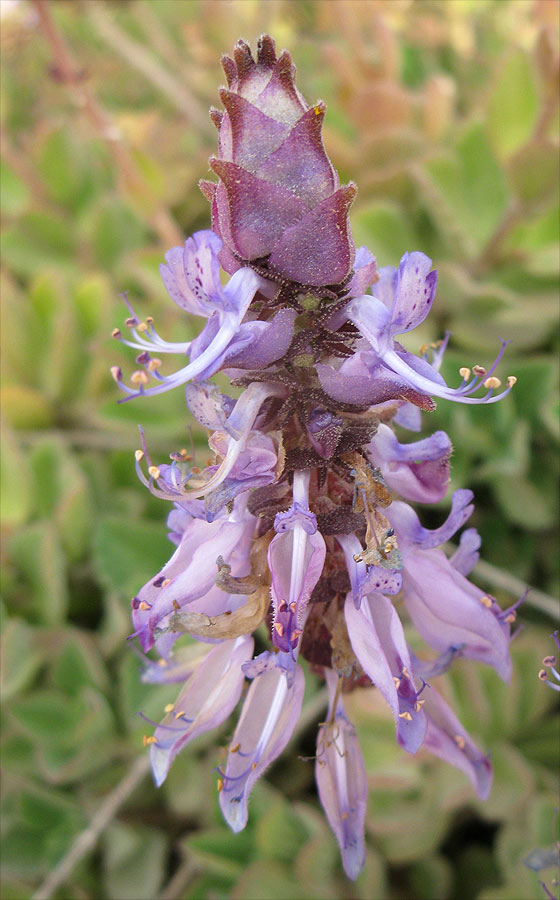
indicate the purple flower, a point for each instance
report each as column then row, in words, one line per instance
column 341, row 780
column 294, row 526
column 401, row 301
column 295, row 557
column 192, row 279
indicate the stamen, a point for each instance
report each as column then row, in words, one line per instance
column 143, row 326
column 144, row 606
column 492, row 383
column 511, row 380
column 169, row 708
column 465, row 372
column 149, row 739
column 418, row 705
column 486, row 601
column 116, row 372
column 549, row 661
column 542, row 674
column 220, row 785
column 139, row 377
column 279, row 628
column 138, row 455
column 479, row 370
column 510, row 618
column 405, row 715
column 397, row 681
column 460, row 741
column 154, row 472
column 154, row 363
column 180, row 714
column 235, row 748
column 165, row 582
column 116, row 333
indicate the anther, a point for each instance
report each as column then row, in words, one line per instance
column 169, row 708
column 465, row 372
column 511, row 380
column 296, row 634
column 423, row 350
column 460, row 741
column 131, row 322
column 154, row 363
column 143, row 326
column 220, row 785
column 549, row 661
column 149, row 320
column 149, row 739
column 486, row 601
column 405, row 715
column 418, row 705
column 282, row 606
column 165, row 582
column 154, row 472
column 293, row 606
column 397, row 681
column 279, row 628
column 492, row 383
column 405, row 672
column 138, row 455
column 116, row 333
column 254, row 766
column 139, row 377
column 235, row 748
column 543, row 675
column 162, row 662
column 479, row 370
column 144, row 606
column 116, row 372
column 511, row 617
column 180, row 714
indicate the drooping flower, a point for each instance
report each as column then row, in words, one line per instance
column 295, row 526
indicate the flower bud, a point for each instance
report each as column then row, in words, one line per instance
column 278, row 203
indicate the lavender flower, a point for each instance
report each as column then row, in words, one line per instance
column 299, row 524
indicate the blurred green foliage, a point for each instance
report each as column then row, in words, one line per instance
column 446, row 115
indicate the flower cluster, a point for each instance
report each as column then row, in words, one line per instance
column 302, row 524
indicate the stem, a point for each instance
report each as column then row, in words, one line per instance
column 86, row 841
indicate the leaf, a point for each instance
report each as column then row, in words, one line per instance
column 512, row 103
column 383, row 226
column 127, row 553
column 15, row 492
column 279, row 834
column 21, row 657
column 37, row 552
column 472, row 185
column 133, row 861
column 15, row 194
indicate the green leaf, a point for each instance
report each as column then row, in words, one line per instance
column 37, row 552
column 15, row 194
column 512, row 104
column 383, row 226
column 128, row 553
column 15, row 492
column 133, row 862
column 279, row 833
column 21, row 657
column 472, row 186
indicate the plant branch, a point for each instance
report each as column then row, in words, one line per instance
column 87, row 839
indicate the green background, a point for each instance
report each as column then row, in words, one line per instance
column 445, row 114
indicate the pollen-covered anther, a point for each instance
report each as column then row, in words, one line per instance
column 162, row 663
column 139, row 377
column 296, row 634
column 549, row 661
column 116, row 372
column 511, row 617
column 165, row 582
column 154, row 472
column 116, row 333
column 154, row 363
column 465, row 372
column 492, row 383
column 405, row 672
column 511, row 380
column 423, row 349
column 180, row 714
column 460, row 741
column 144, row 606
column 235, row 748
column 479, row 370
column 542, row 674
column 279, row 628
column 293, row 607
column 254, row 766
column 131, row 322
column 282, row 606
column 418, row 705
column 138, row 455
column 169, row 708
column 397, row 681
column 149, row 739
column 220, row 785
column 486, row 601
column 143, row 326
column 406, row 716
column 149, row 320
